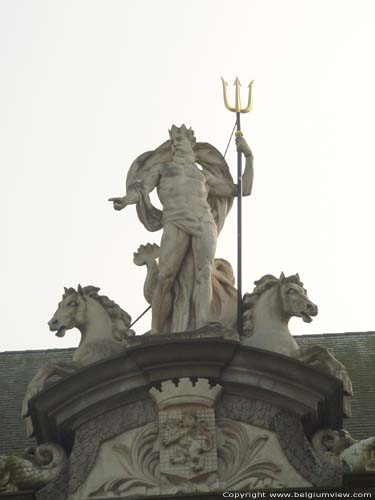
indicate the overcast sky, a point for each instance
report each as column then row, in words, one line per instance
column 86, row 86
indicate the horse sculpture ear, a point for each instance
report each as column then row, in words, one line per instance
column 282, row 277
column 81, row 291
column 66, row 290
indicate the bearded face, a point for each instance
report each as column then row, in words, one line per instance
column 182, row 142
column 182, row 148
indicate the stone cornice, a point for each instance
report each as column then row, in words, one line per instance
column 126, row 378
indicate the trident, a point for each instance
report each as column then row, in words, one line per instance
column 238, row 110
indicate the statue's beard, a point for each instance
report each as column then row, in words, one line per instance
column 184, row 157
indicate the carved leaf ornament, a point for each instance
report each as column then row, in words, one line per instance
column 140, row 464
column 239, row 465
column 239, row 461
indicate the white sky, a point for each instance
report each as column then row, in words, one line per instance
column 86, row 86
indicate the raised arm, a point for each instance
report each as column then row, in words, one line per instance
column 248, row 174
column 132, row 195
column 221, row 187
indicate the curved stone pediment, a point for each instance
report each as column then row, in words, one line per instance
column 181, row 406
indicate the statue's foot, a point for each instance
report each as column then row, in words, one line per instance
column 215, row 324
column 211, row 325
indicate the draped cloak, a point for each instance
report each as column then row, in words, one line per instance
column 223, row 305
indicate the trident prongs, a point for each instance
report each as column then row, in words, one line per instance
column 237, row 108
column 225, row 95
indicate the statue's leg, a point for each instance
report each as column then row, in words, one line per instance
column 173, row 247
column 204, row 248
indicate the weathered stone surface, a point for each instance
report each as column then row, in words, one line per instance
column 104, row 328
column 355, row 350
column 109, row 402
column 266, row 315
column 126, row 465
column 251, row 457
column 57, row 489
column 132, row 464
column 288, row 429
column 338, row 447
column 186, row 290
column 282, row 381
column 185, row 392
column 268, row 309
column 188, row 452
column 90, row 436
column 33, row 470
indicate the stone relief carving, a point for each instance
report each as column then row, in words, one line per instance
column 133, row 464
column 139, row 458
column 241, row 465
column 195, row 204
column 34, row 470
column 130, row 465
column 189, row 438
column 188, row 454
column 93, row 434
column 339, row 447
column 290, row 435
column 266, row 314
column 104, row 328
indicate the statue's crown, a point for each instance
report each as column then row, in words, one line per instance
column 183, row 130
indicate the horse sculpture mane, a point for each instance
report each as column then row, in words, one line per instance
column 120, row 319
column 266, row 313
column 104, row 331
column 250, row 300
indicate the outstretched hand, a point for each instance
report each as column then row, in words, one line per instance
column 118, row 203
column 122, row 201
column 243, row 147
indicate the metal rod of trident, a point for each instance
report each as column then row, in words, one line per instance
column 238, row 110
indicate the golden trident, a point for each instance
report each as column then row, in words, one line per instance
column 238, row 110
column 237, row 107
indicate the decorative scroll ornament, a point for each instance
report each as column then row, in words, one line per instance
column 34, row 470
column 140, row 462
column 240, row 463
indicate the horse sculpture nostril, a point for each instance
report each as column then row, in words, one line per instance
column 312, row 309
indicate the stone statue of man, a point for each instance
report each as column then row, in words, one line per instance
column 195, row 203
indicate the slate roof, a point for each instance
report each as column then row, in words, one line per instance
column 16, row 370
column 355, row 350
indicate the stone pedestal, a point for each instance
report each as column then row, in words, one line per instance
column 180, row 414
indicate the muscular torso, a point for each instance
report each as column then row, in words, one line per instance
column 183, row 187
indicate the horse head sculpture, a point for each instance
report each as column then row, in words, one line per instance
column 71, row 311
column 268, row 309
column 104, row 329
column 294, row 300
column 266, row 314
